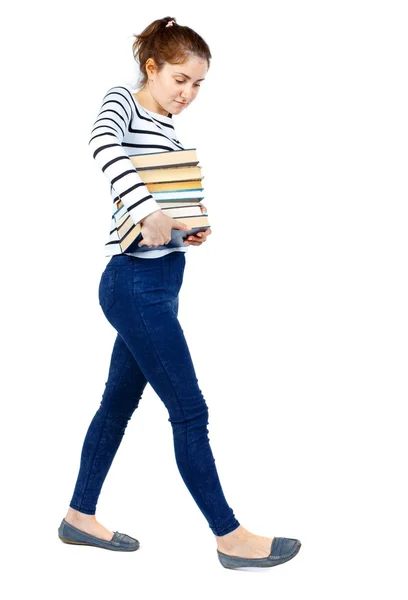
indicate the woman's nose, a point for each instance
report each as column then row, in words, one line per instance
column 186, row 94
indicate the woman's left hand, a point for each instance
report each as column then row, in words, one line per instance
column 200, row 236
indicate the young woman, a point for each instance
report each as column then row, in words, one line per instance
column 138, row 294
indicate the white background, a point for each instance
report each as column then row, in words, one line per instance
column 295, row 309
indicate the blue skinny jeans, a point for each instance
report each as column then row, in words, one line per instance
column 139, row 297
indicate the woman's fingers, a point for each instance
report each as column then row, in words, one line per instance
column 199, row 238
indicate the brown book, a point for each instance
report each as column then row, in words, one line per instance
column 170, row 174
column 154, row 160
column 171, row 186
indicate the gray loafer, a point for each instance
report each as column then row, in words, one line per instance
column 282, row 550
column 120, row 541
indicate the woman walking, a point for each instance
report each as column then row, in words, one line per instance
column 138, row 294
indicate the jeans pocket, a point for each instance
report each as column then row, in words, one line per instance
column 107, row 290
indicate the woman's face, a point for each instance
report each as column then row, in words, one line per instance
column 177, row 85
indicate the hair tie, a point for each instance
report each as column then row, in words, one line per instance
column 170, row 23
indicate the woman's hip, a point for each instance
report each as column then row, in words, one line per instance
column 129, row 280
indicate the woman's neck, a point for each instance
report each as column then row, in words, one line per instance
column 147, row 101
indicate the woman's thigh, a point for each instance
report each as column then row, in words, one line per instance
column 140, row 299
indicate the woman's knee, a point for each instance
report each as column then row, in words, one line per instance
column 199, row 416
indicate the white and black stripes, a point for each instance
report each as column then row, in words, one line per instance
column 122, row 128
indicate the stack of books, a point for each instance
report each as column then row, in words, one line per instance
column 174, row 179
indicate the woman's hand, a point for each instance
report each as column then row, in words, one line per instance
column 200, row 236
column 156, row 229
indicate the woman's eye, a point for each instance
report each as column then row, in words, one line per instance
column 178, row 81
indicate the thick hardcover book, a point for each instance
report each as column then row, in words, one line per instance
column 172, row 158
column 173, row 186
column 180, row 211
column 170, row 174
column 172, row 203
column 178, row 195
column 164, row 205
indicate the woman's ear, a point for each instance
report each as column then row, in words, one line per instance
column 150, row 67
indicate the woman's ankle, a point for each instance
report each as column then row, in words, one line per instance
column 238, row 535
column 76, row 515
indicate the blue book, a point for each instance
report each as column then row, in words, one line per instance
column 178, row 195
column 177, row 239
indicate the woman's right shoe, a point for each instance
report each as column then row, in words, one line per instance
column 72, row 535
column 282, row 550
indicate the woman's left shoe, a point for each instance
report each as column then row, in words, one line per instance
column 282, row 550
column 120, row 541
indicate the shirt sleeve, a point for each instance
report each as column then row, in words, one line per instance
column 105, row 144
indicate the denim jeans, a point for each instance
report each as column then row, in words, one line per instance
column 139, row 297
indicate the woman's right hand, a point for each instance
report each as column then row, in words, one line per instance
column 156, row 228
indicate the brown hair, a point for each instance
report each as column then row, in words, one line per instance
column 167, row 44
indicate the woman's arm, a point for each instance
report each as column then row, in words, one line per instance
column 107, row 134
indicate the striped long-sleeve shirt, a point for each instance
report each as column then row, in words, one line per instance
column 123, row 127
